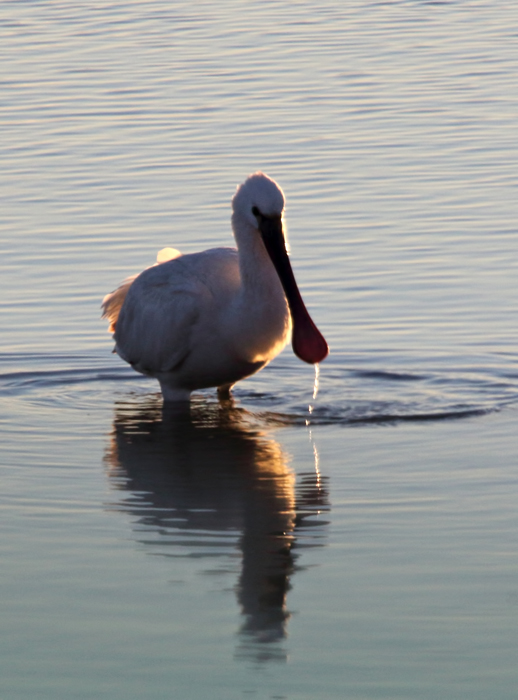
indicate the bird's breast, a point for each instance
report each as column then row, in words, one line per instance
column 260, row 327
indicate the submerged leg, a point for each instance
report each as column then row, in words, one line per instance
column 174, row 394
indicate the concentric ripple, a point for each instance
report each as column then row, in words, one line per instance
column 374, row 388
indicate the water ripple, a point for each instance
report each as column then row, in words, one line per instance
column 354, row 390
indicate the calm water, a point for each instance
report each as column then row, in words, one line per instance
column 360, row 545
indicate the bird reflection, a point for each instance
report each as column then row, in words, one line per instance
column 206, row 478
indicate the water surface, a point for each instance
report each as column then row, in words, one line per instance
column 361, row 544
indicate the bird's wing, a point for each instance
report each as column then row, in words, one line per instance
column 155, row 324
column 112, row 302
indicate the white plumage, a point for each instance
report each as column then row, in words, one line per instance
column 212, row 318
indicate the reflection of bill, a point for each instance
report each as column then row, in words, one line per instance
column 212, row 471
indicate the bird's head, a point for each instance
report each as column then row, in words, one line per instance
column 257, row 199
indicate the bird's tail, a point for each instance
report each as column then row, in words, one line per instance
column 112, row 302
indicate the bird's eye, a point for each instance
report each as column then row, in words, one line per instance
column 256, row 212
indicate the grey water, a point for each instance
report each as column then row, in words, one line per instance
column 360, row 544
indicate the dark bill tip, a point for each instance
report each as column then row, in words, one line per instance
column 307, row 341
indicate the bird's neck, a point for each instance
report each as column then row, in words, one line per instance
column 261, row 304
column 259, row 279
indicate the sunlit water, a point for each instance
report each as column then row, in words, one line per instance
column 351, row 534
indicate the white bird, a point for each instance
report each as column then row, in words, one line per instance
column 212, row 318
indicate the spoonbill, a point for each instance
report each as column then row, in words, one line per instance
column 212, row 318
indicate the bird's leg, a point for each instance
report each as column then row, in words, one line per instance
column 172, row 394
column 224, row 392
